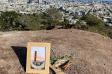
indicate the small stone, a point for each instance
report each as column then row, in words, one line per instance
column 60, row 62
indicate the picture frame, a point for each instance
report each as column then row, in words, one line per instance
column 38, row 58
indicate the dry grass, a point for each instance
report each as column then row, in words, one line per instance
column 91, row 52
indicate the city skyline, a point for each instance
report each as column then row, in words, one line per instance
column 41, row 1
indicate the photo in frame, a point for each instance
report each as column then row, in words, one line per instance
column 38, row 58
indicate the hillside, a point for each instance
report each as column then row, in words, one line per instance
column 91, row 52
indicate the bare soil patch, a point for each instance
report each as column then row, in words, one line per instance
column 91, row 52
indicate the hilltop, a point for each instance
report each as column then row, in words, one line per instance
column 91, row 52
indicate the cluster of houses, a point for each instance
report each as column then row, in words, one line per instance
column 102, row 11
column 72, row 10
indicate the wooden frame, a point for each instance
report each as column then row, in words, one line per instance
column 38, row 58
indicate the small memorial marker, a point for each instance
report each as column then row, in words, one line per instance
column 38, row 58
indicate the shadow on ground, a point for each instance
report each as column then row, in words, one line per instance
column 21, row 53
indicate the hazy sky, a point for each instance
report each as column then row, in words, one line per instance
column 107, row 0
column 91, row 0
column 40, row 52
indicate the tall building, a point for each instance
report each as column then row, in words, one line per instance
column 3, row 1
column 36, row 1
column 21, row 1
column 13, row 1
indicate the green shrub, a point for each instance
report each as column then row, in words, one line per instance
column 9, row 21
column 66, row 24
column 81, row 25
column 92, row 20
column 110, row 34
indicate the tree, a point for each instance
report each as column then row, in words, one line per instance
column 54, row 13
column 50, row 18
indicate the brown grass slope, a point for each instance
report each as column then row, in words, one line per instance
column 91, row 52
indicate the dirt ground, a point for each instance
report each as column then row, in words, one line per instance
column 91, row 52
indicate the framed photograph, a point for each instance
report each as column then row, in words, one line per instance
column 38, row 58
